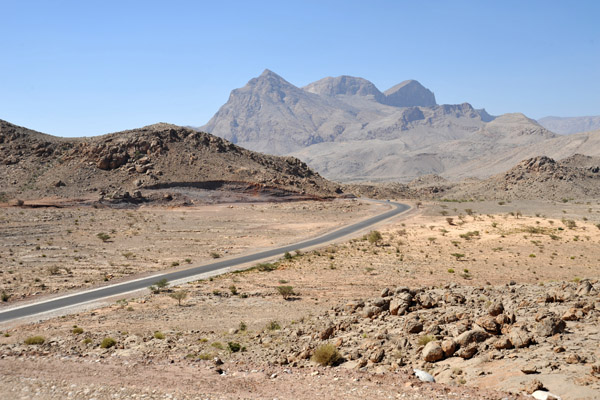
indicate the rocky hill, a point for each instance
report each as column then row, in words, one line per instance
column 131, row 165
column 569, row 125
column 575, row 177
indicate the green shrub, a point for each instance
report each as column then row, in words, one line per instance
column 374, row 237
column 285, row 291
column 451, row 270
column 234, row 347
column 233, row 290
column 103, row 236
column 214, row 254
column 5, row 297
column 159, row 335
column 179, row 295
column 327, row 354
column 87, row 341
column 287, row 255
column 77, row 331
column 273, row 326
column 34, row 340
column 242, row 327
column 108, row 342
column 217, row 345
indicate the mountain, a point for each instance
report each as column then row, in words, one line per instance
column 348, row 130
column 143, row 161
column 569, row 125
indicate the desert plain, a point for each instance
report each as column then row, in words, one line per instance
column 495, row 299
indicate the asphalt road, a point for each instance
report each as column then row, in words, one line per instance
column 117, row 289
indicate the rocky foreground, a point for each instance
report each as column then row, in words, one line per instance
column 519, row 338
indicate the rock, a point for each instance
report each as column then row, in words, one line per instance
column 488, row 322
column 467, row 352
column 370, row 311
column 423, row 376
column 386, row 292
column 503, row 343
column 448, row 347
column 377, row 356
column 472, row 336
column 217, row 361
column 352, row 306
column 573, row 359
column 414, row 325
column 585, row 287
column 426, row 300
column 496, row 308
column 327, row 333
column 59, row 183
column 529, row 369
column 573, row 314
column 532, row 386
column 433, row 352
column 544, row 395
column 382, row 303
column 550, row 325
column 400, row 303
column 519, row 338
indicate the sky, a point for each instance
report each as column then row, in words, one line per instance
column 84, row 68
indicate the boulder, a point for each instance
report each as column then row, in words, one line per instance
column 488, row 323
column 550, row 325
column 449, row 347
column 467, row 352
column 433, row 352
column 519, row 338
column 496, row 308
column 400, row 303
column 472, row 336
column 414, row 325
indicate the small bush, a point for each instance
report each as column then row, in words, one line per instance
column 242, row 327
column 159, row 335
column 214, row 254
column 5, row 297
column 217, row 345
column 77, row 331
column 273, row 326
column 458, row 256
column 179, row 296
column 423, row 340
column 234, row 347
column 285, row 291
column 103, row 236
column 451, row 270
column 327, row 355
column 233, row 290
column 287, row 255
column 34, row 340
column 87, row 341
column 266, row 267
column 374, row 237
column 108, row 342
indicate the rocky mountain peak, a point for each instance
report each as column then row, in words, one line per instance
column 409, row 93
column 344, row 85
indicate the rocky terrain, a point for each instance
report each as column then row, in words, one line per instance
column 570, row 125
column 575, row 177
column 160, row 161
column 349, row 131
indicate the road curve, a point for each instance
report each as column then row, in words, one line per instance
column 121, row 288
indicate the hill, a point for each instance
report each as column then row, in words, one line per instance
column 575, row 177
column 135, row 164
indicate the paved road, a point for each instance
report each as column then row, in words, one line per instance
column 117, row 289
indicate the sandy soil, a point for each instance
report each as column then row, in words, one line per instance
column 417, row 252
column 50, row 250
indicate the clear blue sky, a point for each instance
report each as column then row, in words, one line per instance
column 82, row 68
